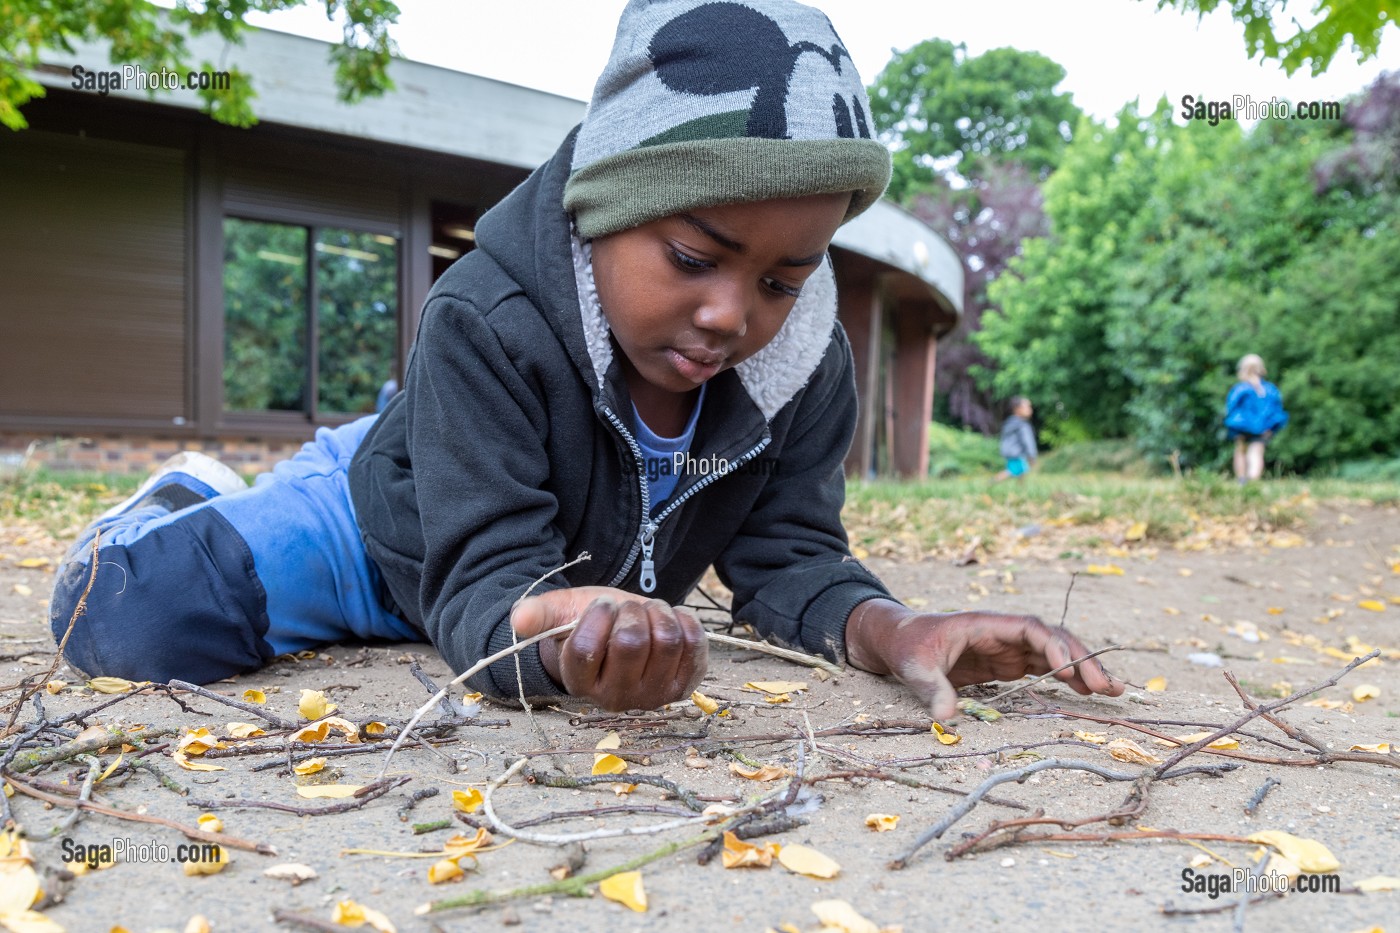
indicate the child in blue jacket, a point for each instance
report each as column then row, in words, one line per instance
column 1253, row 414
column 657, row 293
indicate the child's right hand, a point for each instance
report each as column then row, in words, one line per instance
column 628, row 652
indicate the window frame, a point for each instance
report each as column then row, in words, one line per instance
column 296, row 422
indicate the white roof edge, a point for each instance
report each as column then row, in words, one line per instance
column 891, row 235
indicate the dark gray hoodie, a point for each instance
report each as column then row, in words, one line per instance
column 510, row 452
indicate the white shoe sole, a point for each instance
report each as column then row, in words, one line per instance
column 217, row 476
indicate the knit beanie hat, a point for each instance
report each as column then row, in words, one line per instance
column 707, row 102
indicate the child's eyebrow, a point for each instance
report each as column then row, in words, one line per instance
column 736, row 247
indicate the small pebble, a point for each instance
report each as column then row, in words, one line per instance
column 1008, row 862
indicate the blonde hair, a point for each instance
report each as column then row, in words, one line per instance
column 1251, row 364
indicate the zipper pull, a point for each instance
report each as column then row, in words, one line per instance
column 648, row 575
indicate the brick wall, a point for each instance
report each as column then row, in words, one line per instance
column 130, row 453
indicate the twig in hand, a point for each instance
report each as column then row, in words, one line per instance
column 787, row 654
column 1260, row 794
column 514, row 640
column 251, row 709
column 475, row 668
column 1063, row 667
column 515, row 648
column 362, row 796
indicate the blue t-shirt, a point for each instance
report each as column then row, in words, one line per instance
column 664, row 457
column 1255, row 412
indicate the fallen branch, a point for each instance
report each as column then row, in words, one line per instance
column 362, row 796
column 1260, row 794
column 233, row 842
column 251, row 709
column 28, row 761
column 964, row 807
column 574, row 887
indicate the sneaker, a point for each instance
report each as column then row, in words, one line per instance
column 187, row 478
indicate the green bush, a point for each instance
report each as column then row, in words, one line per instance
column 960, row 452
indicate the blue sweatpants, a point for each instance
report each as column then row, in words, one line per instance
column 224, row 586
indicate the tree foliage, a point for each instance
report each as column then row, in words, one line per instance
column 1360, row 23
column 1177, row 249
column 945, row 112
column 973, row 136
column 145, row 35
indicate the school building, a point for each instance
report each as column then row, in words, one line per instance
column 170, row 283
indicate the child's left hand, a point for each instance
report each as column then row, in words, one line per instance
column 933, row 654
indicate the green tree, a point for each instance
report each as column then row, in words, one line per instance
column 1363, row 22
column 153, row 38
column 945, row 112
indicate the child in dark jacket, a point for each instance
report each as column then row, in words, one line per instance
column 657, row 294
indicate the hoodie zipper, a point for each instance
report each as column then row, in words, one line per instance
column 646, row 534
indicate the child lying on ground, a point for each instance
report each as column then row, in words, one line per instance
column 659, row 291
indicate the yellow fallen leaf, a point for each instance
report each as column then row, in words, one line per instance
column 1136, row 532
column 703, row 703
column 803, row 860
column 467, row 801
column 19, row 887
column 1364, row 692
column 295, row 872
column 375, row 728
column 30, row 563
column 198, row 741
column 1171, row 610
column 1129, row 751
column 1185, row 571
column 29, row 921
column 111, row 684
column 944, row 736
column 1098, row 738
column 1286, row 659
column 841, row 916
column 22, row 590
column 445, row 870
column 1275, row 610
column 243, row 730
column 763, row 773
column 198, row 924
column 1104, row 570
column 460, row 845
column 1374, row 605
column 55, row 686
column 183, row 761
column 309, row 766
column 254, row 696
column 335, row 791
column 1378, row 883
column 208, row 866
column 351, row 914
column 1156, row 685
column 776, row 687
column 779, row 698
column 609, row 764
column 882, row 822
column 1224, row 742
column 313, row 705
column 209, row 823
column 625, row 888
column 1380, row 748
column 1201, row 860
column 740, row 854
column 1308, row 854
column 319, row 731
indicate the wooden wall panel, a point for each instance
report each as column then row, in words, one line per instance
column 93, row 255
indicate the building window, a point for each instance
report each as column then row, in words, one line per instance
column 310, row 318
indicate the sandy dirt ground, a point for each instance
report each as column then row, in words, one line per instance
column 1279, row 617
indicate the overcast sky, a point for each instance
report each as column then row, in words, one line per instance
column 1112, row 50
